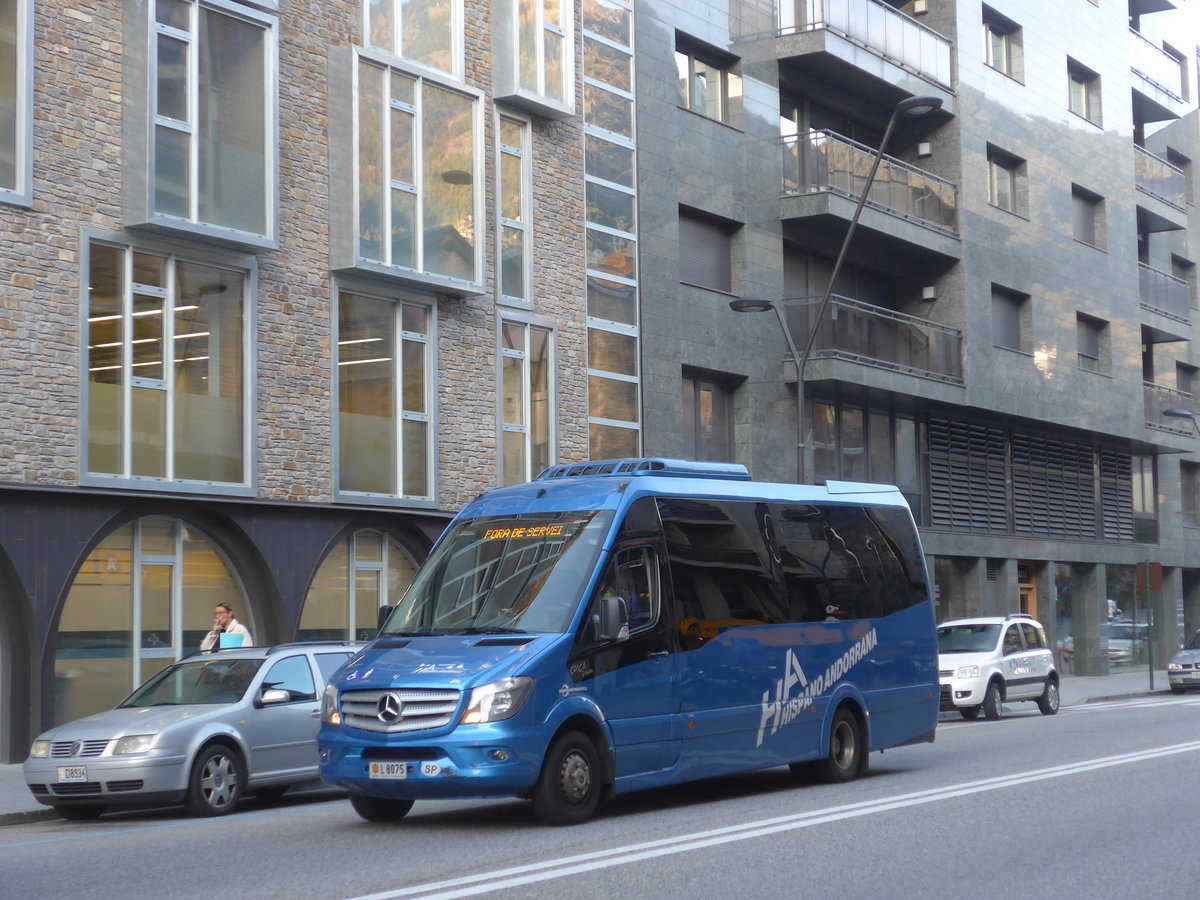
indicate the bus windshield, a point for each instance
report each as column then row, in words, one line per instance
column 497, row 574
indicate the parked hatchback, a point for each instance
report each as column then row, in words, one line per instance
column 986, row 662
column 205, row 731
column 1183, row 671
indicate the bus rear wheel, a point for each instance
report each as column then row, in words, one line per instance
column 847, row 757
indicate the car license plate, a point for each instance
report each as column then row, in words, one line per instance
column 388, row 771
column 72, row 774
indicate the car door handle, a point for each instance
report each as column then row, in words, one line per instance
column 659, row 654
column 315, row 714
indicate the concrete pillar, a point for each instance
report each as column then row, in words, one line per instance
column 1006, row 590
column 1191, row 603
column 1089, row 614
column 1045, row 580
column 1164, row 605
column 972, row 574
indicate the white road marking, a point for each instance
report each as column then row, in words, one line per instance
column 531, row 873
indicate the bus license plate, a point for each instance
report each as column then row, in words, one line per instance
column 388, row 771
column 72, row 774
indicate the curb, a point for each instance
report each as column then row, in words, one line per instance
column 1111, row 697
column 27, row 816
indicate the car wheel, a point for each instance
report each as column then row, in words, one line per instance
column 80, row 813
column 1176, row 690
column 216, row 783
column 1048, row 702
column 568, row 790
column 380, row 809
column 993, row 704
column 847, row 756
column 969, row 712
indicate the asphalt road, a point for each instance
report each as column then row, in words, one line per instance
column 1098, row 801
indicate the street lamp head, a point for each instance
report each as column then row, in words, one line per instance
column 917, row 106
column 751, row 304
column 1177, row 413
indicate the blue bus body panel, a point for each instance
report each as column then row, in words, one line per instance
column 752, row 697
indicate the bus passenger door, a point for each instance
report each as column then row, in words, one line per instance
column 634, row 678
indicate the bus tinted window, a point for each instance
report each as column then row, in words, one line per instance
column 721, row 568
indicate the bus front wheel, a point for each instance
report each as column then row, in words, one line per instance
column 568, row 790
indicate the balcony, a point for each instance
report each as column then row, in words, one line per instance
column 1160, row 86
column 1162, row 192
column 824, row 175
column 1157, row 398
column 845, row 41
column 881, row 338
column 1163, row 293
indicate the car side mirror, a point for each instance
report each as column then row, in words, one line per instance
column 382, row 616
column 612, row 621
column 272, row 696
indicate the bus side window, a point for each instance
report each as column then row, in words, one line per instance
column 633, row 575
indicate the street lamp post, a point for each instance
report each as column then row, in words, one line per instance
column 910, row 107
column 1176, row 413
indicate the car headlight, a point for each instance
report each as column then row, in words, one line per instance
column 40, row 749
column 496, row 701
column 329, row 706
column 1170, row 665
column 967, row 672
column 134, row 743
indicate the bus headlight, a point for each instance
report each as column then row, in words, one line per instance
column 496, row 701
column 329, row 706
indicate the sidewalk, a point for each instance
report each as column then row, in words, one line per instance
column 17, row 804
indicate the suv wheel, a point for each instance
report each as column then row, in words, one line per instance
column 993, row 704
column 1048, row 702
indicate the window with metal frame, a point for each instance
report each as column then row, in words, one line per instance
column 429, row 32
column 385, row 397
column 167, row 368
column 211, row 82
column 526, row 400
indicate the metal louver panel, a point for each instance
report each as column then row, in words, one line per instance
column 1054, row 488
column 967, row 476
column 1116, row 496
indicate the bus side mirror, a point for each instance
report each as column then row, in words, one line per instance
column 613, row 624
column 382, row 616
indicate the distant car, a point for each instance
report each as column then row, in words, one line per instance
column 205, row 731
column 1183, row 671
column 986, row 662
column 1127, row 642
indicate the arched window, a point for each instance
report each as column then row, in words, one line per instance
column 364, row 572
column 142, row 599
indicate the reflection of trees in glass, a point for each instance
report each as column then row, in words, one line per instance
column 420, row 30
column 389, row 188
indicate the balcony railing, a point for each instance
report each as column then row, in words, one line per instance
column 1164, row 293
column 1158, row 398
column 1157, row 66
column 1158, row 178
column 877, row 27
column 874, row 336
column 825, row 161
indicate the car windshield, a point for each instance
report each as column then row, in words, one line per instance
column 1123, row 631
column 523, row 573
column 202, row 681
column 967, row 638
column 1194, row 643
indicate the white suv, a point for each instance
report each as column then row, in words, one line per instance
column 986, row 662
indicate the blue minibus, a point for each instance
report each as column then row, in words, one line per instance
column 629, row 624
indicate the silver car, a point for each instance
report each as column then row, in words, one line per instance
column 205, row 731
column 1183, row 671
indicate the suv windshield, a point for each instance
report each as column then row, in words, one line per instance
column 202, row 681
column 967, row 638
column 522, row 573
